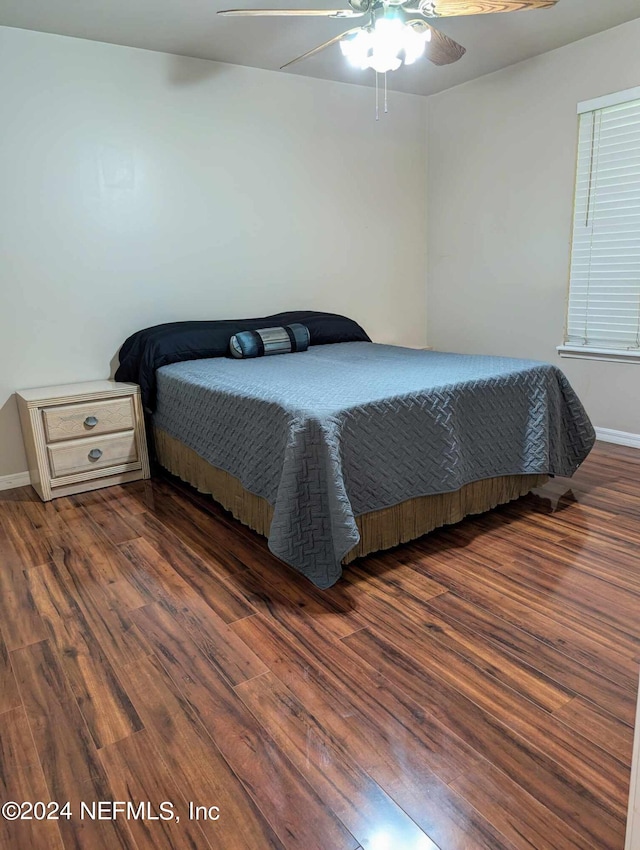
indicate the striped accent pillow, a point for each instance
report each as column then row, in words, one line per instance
column 269, row 341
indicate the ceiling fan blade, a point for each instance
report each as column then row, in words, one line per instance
column 320, row 47
column 285, row 13
column 441, row 50
column 453, row 8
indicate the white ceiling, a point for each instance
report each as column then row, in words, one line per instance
column 191, row 28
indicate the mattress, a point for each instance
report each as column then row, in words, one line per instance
column 343, row 430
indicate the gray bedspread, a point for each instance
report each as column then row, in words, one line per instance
column 340, row 430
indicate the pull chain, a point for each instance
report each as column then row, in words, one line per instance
column 386, row 103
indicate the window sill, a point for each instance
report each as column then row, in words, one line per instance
column 611, row 354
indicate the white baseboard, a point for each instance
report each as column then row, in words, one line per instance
column 622, row 438
column 19, row 479
column 633, row 819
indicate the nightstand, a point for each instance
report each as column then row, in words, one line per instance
column 81, row 437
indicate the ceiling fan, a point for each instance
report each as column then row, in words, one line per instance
column 390, row 36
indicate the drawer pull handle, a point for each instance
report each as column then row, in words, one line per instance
column 91, row 421
column 95, row 454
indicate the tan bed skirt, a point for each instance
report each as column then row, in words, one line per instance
column 378, row 530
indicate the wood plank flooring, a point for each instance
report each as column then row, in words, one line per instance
column 473, row 690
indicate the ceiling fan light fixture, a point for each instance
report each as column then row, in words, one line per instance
column 382, row 46
column 387, row 41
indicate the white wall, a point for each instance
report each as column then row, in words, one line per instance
column 502, row 156
column 139, row 187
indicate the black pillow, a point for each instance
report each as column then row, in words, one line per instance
column 149, row 349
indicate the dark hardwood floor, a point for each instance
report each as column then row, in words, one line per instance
column 475, row 689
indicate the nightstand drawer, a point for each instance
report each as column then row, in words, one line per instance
column 90, row 417
column 76, row 456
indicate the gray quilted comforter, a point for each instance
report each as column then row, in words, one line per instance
column 340, row 430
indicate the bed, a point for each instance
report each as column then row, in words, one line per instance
column 351, row 446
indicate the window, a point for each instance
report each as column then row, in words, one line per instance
column 603, row 317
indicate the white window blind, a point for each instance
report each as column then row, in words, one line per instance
column 604, row 292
